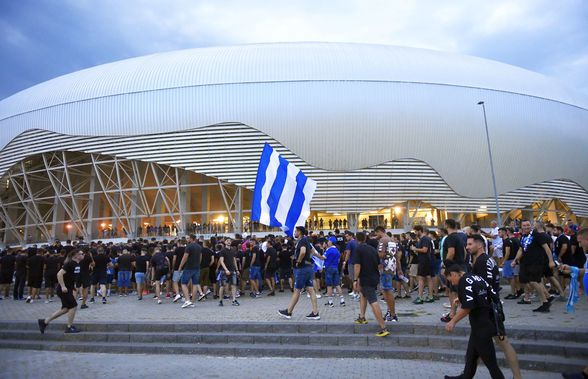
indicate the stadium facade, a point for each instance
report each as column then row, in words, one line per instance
column 388, row 133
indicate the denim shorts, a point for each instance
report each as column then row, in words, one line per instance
column 386, row 281
column 507, row 270
column 332, row 278
column 124, row 279
column 176, row 276
column 303, row 277
column 437, row 267
column 255, row 273
column 140, row 277
column 188, row 275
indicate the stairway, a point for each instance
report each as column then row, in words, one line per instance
column 543, row 350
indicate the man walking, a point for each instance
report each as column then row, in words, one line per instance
column 424, row 249
column 367, row 277
column 303, row 276
column 387, row 251
column 190, row 269
column 227, row 267
column 332, row 276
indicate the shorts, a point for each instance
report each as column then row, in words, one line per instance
column 255, row 273
column 244, row 275
column 414, row 269
column 224, row 279
column 270, row 274
column 6, row 277
column 332, row 277
column 351, row 271
column 212, row 275
column 124, row 279
column 140, row 277
column 531, row 273
column 83, row 281
column 35, row 281
column 161, row 275
column 177, row 275
column 437, row 267
column 508, row 270
column 193, row 275
column 424, row 269
column 109, row 278
column 285, row 273
column 318, row 275
column 50, row 280
column 369, row 293
column 386, row 281
column 99, row 278
column 68, row 301
column 303, row 277
column 205, row 276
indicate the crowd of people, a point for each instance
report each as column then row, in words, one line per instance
column 535, row 260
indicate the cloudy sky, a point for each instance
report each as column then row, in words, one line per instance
column 42, row 39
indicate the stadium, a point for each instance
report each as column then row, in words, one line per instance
column 169, row 143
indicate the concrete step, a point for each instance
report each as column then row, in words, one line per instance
column 558, row 336
column 53, row 333
column 527, row 361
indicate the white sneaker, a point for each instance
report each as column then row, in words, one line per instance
column 187, row 304
column 447, row 305
column 159, row 301
column 177, row 297
column 318, row 295
column 308, row 295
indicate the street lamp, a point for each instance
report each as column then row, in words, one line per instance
column 498, row 218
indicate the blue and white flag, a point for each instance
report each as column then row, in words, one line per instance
column 282, row 193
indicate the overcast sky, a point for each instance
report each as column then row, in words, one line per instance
column 42, row 39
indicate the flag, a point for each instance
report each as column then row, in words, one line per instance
column 282, row 193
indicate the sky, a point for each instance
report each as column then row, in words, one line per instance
column 43, row 39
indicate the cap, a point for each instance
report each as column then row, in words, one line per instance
column 333, row 240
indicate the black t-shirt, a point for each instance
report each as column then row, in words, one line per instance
column 158, row 261
column 473, row 295
column 85, row 265
column 125, row 262
column 52, row 263
column 178, row 254
column 100, row 262
column 560, row 241
column 257, row 251
column 532, row 244
column 272, row 255
column 307, row 260
column 486, row 268
column 247, row 255
column 141, row 263
column 425, row 258
column 194, row 251
column 20, row 264
column 454, row 241
column 228, row 255
column 367, row 257
column 206, row 257
column 35, row 264
column 7, row 262
column 285, row 258
column 72, row 269
column 506, row 242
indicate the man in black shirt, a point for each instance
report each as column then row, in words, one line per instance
column 35, row 266
column 101, row 263
column 83, row 279
column 227, row 267
column 52, row 266
column 366, row 272
column 455, row 253
column 125, row 266
column 426, row 255
column 271, row 264
column 160, row 267
column 303, row 273
column 533, row 255
column 179, row 251
column 510, row 247
column 7, row 263
column 205, row 266
column 475, row 303
column 285, row 266
column 255, row 278
column 66, row 279
column 190, row 268
column 141, row 268
column 485, row 267
column 20, row 275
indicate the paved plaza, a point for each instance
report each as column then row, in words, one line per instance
column 48, row 365
column 129, row 309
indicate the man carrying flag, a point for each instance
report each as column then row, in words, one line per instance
column 282, row 199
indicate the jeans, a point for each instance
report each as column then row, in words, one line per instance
column 19, row 284
column 124, row 279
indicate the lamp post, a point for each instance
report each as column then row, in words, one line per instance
column 498, row 218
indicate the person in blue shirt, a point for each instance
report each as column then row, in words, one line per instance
column 332, row 276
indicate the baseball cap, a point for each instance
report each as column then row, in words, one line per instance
column 333, row 240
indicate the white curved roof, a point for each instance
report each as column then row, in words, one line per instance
column 339, row 107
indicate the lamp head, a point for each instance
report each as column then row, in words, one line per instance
column 480, row 102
